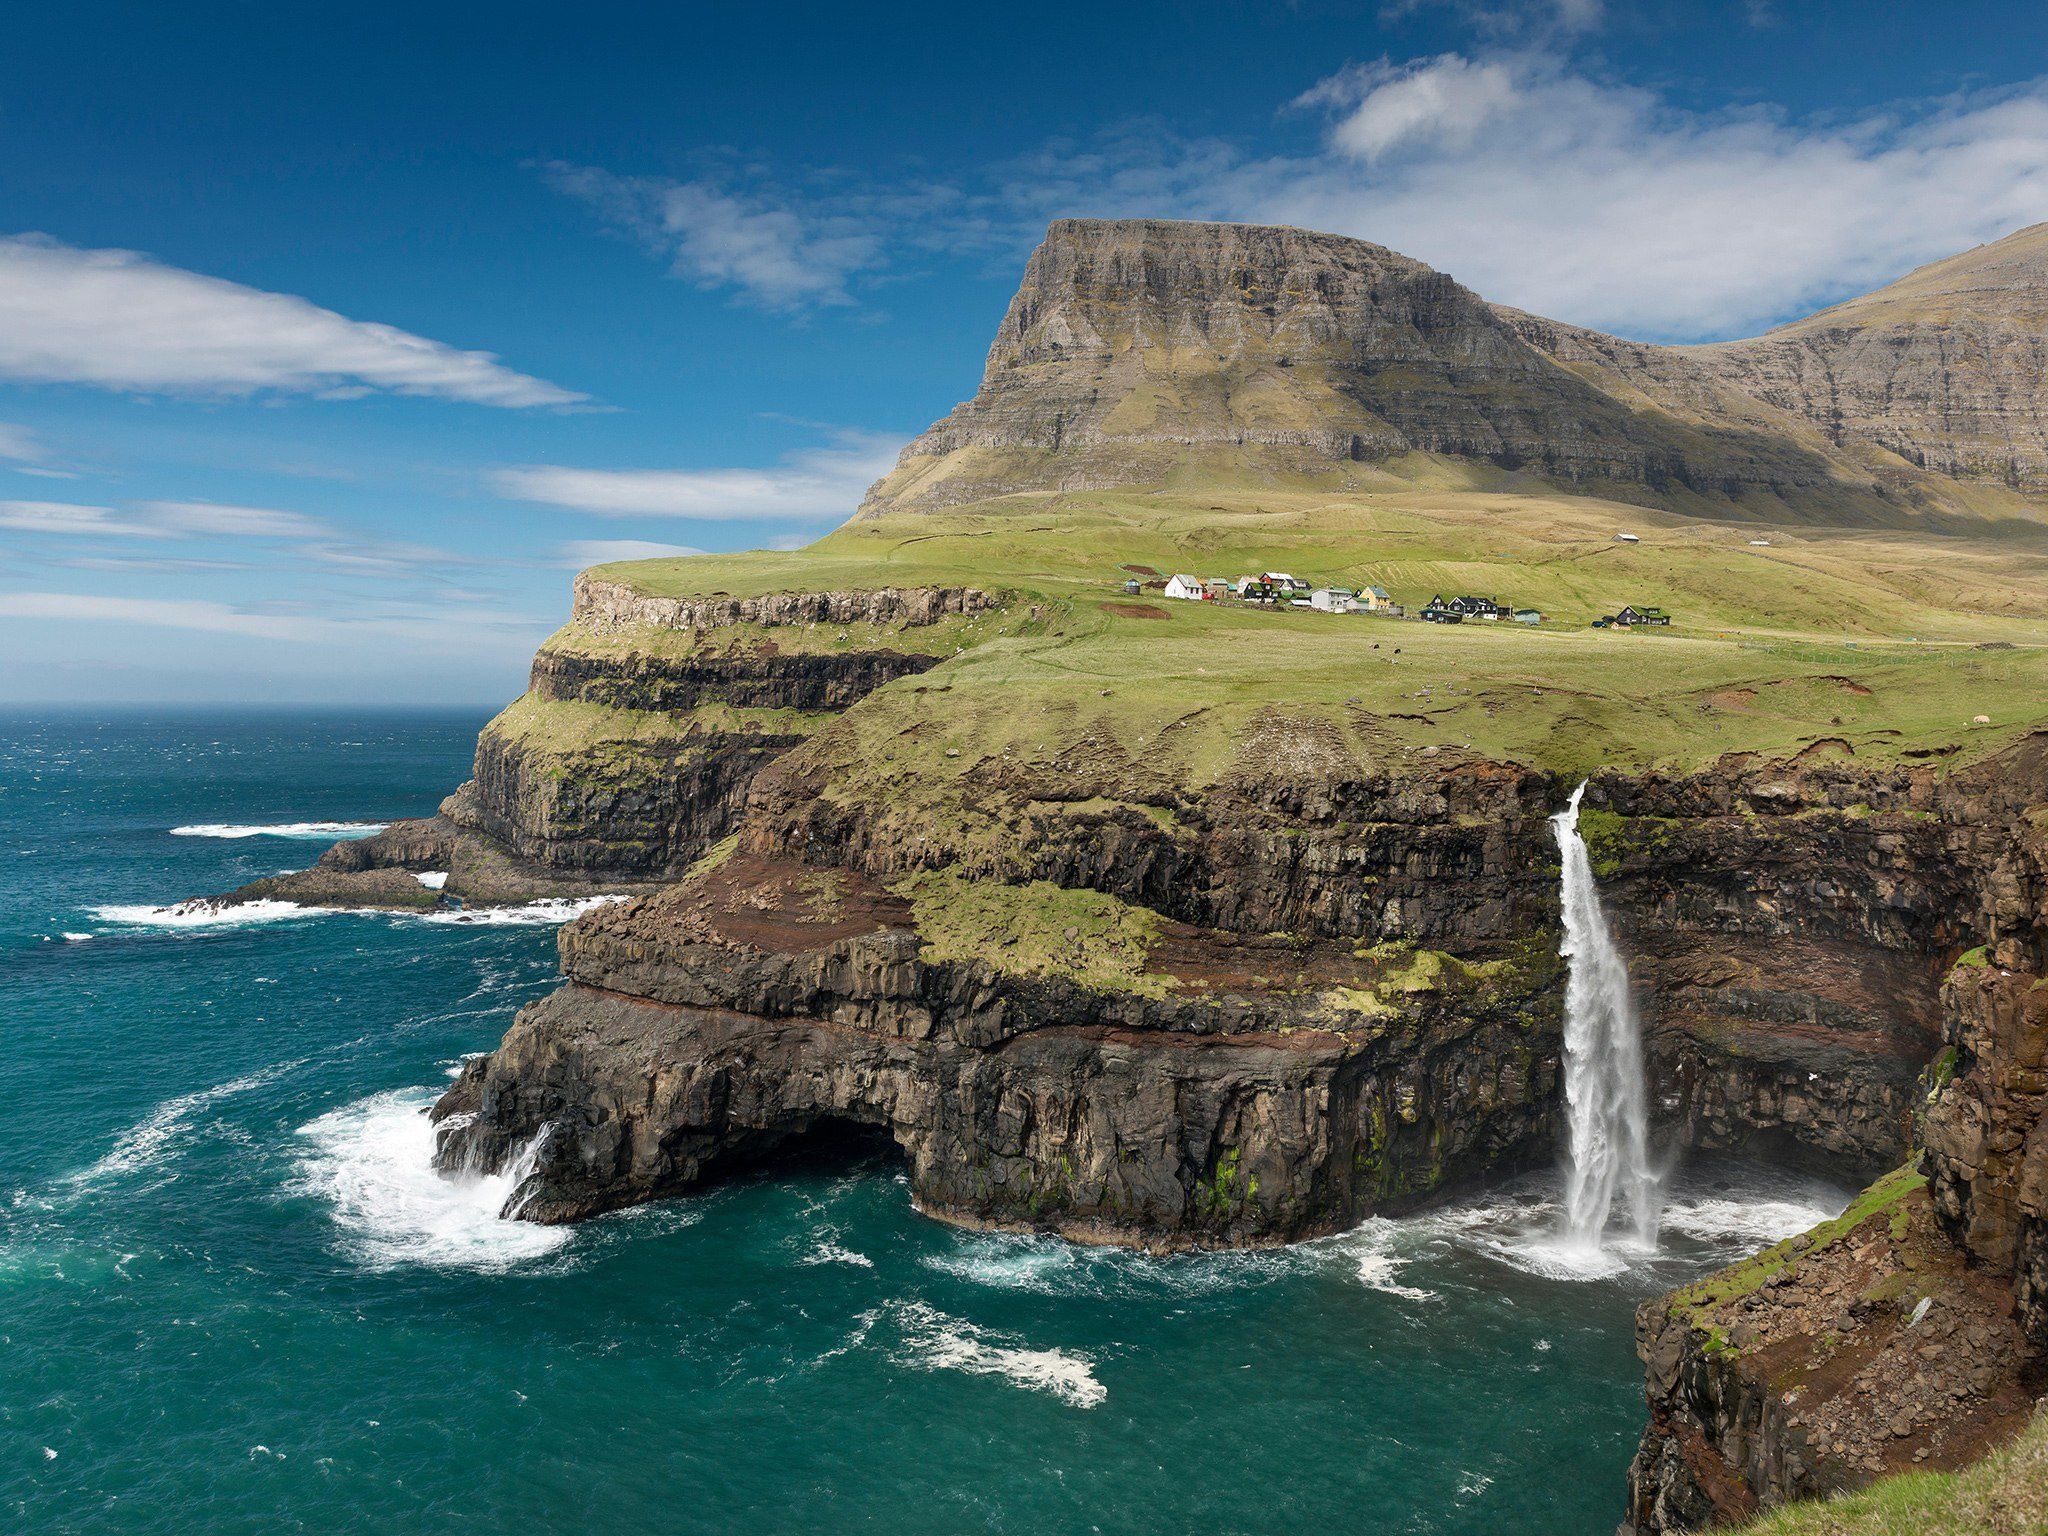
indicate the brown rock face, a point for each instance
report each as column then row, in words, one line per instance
column 1139, row 349
column 1948, row 367
column 1869, row 1347
column 705, row 1026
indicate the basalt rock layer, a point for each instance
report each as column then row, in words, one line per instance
column 630, row 755
column 1335, row 1006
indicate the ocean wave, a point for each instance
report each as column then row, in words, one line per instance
column 937, row 1341
column 201, row 912
column 372, row 1162
column 432, row 879
column 1051, row 1266
column 307, row 831
column 552, row 909
column 146, row 1143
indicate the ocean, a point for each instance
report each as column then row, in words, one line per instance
column 235, row 1298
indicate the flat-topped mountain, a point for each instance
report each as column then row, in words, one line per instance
column 1947, row 367
column 1157, row 352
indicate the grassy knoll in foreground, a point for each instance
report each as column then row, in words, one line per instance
column 1890, row 643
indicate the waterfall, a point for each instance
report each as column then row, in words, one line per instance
column 1606, row 1099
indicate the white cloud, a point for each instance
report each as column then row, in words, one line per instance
column 417, row 624
column 210, row 517
column 1605, row 204
column 151, row 612
column 64, row 517
column 19, row 444
column 582, row 553
column 1443, row 107
column 813, row 483
column 777, row 255
column 119, row 320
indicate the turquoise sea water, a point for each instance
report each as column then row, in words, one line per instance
column 234, row 1298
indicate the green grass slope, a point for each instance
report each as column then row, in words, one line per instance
column 1889, row 644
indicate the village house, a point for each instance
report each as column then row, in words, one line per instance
column 1375, row 600
column 1189, row 587
column 1286, row 585
column 1257, row 589
column 1217, row 589
column 1333, row 600
column 1435, row 612
column 1633, row 615
column 1468, row 607
column 1527, row 616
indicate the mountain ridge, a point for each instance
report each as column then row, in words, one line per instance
column 1150, row 351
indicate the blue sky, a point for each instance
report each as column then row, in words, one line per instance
column 331, row 342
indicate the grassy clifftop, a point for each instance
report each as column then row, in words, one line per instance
column 1889, row 643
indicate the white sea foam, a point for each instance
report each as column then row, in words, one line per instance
column 1371, row 1248
column 308, row 831
column 76, row 938
column 202, row 913
column 373, row 1163
column 826, row 1251
column 432, row 879
column 553, row 909
column 145, row 1143
column 939, row 1342
column 1709, row 1218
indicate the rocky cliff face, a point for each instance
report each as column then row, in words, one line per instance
column 643, row 724
column 1945, row 367
column 1913, row 1333
column 1337, row 1003
column 1148, row 352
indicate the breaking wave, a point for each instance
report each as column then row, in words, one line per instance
column 936, row 1341
column 553, row 909
column 308, row 831
column 202, row 913
column 372, row 1162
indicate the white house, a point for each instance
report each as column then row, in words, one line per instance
column 1333, row 600
column 1186, row 586
column 1629, row 538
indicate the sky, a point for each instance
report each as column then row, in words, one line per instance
column 333, row 340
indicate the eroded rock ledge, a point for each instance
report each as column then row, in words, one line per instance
column 1253, row 1103
column 609, row 605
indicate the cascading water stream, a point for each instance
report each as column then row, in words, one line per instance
column 1606, row 1098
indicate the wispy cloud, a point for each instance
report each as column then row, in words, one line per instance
column 582, row 553
column 415, row 623
column 64, row 517
column 811, row 483
column 776, row 254
column 212, row 517
column 19, row 445
column 119, row 320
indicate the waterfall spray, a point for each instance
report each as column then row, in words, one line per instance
column 1606, row 1101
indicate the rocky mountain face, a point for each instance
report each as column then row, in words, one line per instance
column 1145, row 352
column 1947, row 368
